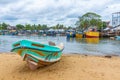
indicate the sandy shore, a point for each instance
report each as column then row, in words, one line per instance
column 70, row 67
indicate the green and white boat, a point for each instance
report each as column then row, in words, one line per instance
column 37, row 54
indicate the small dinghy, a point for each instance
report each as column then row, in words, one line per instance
column 37, row 54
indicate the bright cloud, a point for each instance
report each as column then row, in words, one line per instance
column 52, row 12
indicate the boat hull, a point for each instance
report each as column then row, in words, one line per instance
column 37, row 57
column 92, row 34
column 117, row 37
column 79, row 35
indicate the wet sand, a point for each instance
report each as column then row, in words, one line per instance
column 70, row 67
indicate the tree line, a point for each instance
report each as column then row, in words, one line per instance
column 3, row 26
column 85, row 21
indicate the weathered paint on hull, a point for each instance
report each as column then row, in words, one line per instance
column 37, row 54
column 89, row 36
column 38, row 57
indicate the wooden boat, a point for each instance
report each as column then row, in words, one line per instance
column 79, row 35
column 37, row 54
column 91, row 34
column 117, row 37
column 70, row 33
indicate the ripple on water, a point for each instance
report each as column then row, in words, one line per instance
column 72, row 45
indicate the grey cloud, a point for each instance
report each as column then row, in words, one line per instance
column 56, row 11
column 2, row 2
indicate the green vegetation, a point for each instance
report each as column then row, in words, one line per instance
column 20, row 27
column 4, row 26
column 90, row 20
column 84, row 22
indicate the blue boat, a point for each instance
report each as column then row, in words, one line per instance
column 37, row 54
column 117, row 37
column 70, row 34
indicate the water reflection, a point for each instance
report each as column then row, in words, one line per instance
column 80, row 40
column 72, row 45
column 83, row 40
column 69, row 39
column 92, row 40
column 87, row 40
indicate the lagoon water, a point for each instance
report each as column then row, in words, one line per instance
column 72, row 45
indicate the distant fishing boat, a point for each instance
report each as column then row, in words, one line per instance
column 79, row 34
column 70, row 33
column 37, row 54
column 90, row 34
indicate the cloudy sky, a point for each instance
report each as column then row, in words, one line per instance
column 52, row 12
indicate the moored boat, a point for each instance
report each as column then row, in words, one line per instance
column 70, row 33
column 37, row 54
column 79, row 35
column 91, row 34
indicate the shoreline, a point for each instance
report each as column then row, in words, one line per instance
column 79, row 54
column 70, row 67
